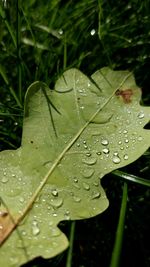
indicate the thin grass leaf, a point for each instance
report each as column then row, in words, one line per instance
column 116, row 254
column 131, row 178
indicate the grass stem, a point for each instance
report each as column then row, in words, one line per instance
column 18, row 35
column 70, row 250
column 115, row 259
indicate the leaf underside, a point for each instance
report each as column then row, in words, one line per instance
column 72, row 136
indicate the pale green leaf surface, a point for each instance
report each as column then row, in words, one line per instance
column 72, row 137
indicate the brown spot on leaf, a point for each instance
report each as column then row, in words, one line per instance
column 125, row 94
column 7, row 225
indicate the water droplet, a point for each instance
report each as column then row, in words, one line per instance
column 57, row 202
column 55, row 232
column 116, row 159
column 115, row 153
column 77, row 199
column 82, row 107
column 50, row 223
column 125, row 157
column 67, row 215
column 104, row 142
column 75, row 180
column 93, row 32
column 54, row 214
column 126, row 141
column 55, row 193
column 88, row 154
column 4, row 173
column 21, row 199
column 119, row 142
column 95, row 195
column 88, row 173
column 90, row 161
column 86, row 186
column 141, row 115
column 89, row 84
column 140, row 138
column 4, row 179
column 13, row 175
column 125, row 131
column 78, row 144
column 96, row 183
column 84, row 141
column 60, row 32
column 85, row 146
column 105, row 150
column 98, row 153
column 35, row 228
column 23, row 233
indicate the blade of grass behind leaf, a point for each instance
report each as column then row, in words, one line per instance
column 115, row 259
column 70, row 250
column 131, row 177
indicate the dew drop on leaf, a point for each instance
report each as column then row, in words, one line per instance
column 86, row 186
column 55, row 193
column 141, row 115
column 4, row 179
column 55, row 232
column 104, row 142
column 24, row 233
column 116, row 160
column 140, row 138
column 35, row 228
column 21, row 199
column 105, row 150
column 90, row 161
column 89, row 84
column 75, row 180
column 96, row 184
column 56, row 203
column 95, row 195
column 88, row 173
column 125, row 157
column 88, row 154
column 54, row 214
column 67, row 215
column 76, row 199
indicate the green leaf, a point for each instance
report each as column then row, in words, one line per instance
column 72, row 137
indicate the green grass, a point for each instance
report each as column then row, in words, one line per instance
column 41, row 39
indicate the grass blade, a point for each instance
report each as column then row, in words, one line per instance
column 115, row 259
column 5, row 78
column 70, row 250
column 132, row 178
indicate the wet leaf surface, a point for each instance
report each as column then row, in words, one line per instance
column 72, row 137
